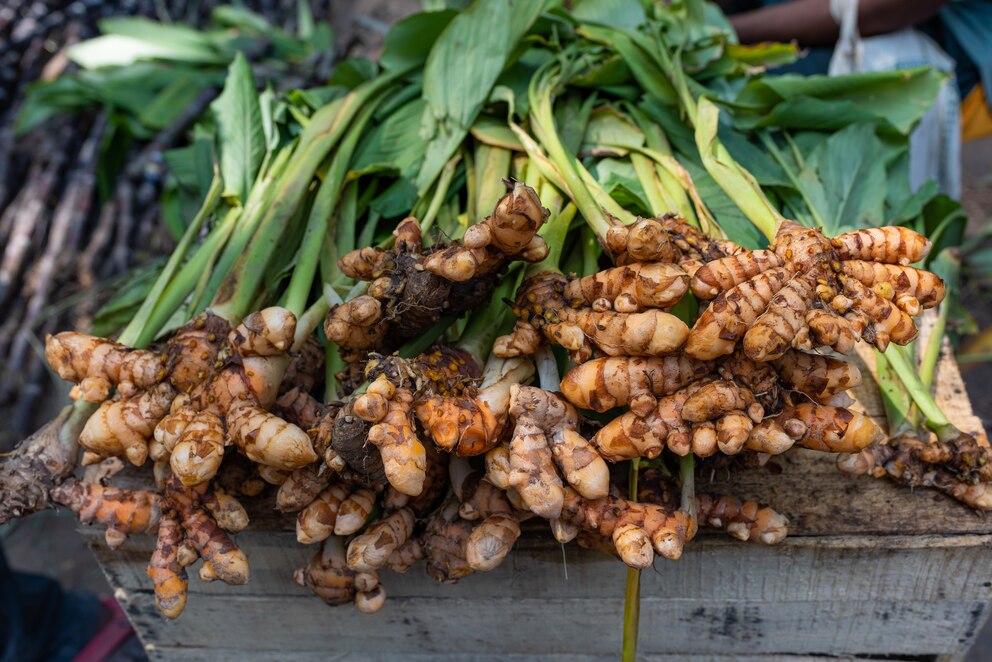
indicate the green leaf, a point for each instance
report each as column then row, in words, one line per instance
column 617, row 177
column 641, row 64
column 394, row 144
column 896, row 99
column 239, row 130
column 410, row 40
column 460, row 72
column 733, row 221
column 353, row 72
column 170, row 103
column 852, row 177
column 767, row 54
column 609, row 127
column 752, row 158
column 127, row 40
column 495, row 133
column 623, row 14
column 397, row 200
column 911, row 208
column 242, row 18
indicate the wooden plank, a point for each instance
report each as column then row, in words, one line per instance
column 819, row 500
column 235, row 655
column 549, row 625
column 924, row 569
column 869, row 569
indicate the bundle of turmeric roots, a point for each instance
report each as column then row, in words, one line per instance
column 440, row 453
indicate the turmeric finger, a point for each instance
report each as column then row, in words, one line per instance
column 165, row 571
column 892, row 244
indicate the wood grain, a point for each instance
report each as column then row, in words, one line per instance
column 869, row 569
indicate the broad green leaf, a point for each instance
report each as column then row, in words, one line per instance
column 617, row 177
column 733, row 221
column 170, row 103
column 353, row 72
column 397, row 200
column 127, row 40
column 897, row 99
column 623, row 14
column 491, row 131
column 394, row 144
column 609, row 127
column 911, row 208
column 641, row 64
column 242, row 18
column 410, row 40
column 460, row 72
column 768, row 54
column 239, row 130
column 753, row 158
column 852, row 176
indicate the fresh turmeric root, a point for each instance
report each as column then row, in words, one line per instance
column 915, row 463
column 725, row 410
column 807, row 290
column 123, row 512
column 549, row 307
column 191, row 522
column 410, row 287
column 667, row 238
column 208, row 388
column 545, row 438
column 329, row 577
column 616, row 311
column 743, row 520
column 637, row 530
column 605, row 383
column 471, row 423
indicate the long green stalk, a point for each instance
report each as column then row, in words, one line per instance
column 632, row 595
column 542, row 92
column 143, row 327
column 322, row 212
column 322, row 133
column 936, row 419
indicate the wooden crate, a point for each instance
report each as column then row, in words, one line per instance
column 869, row 569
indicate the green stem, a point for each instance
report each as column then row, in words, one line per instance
column 632, row 596
column 657, row 197
column 485, row 325
column 931, row 353
column 143, row 327
column 247, row 218
column 542, row 93
column 554, row 233
column 224, row 231
column 796, row 184
column 440, row 193
column 947, row 265
column 323, row 132
column 687, row 471
column 591, row 250
column 895, row 399
column 322, row 213
column 936, row 419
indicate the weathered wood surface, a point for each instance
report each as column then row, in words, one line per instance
column 838, row 595
column 869, row 569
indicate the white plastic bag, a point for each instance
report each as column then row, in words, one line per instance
column 935, row 145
